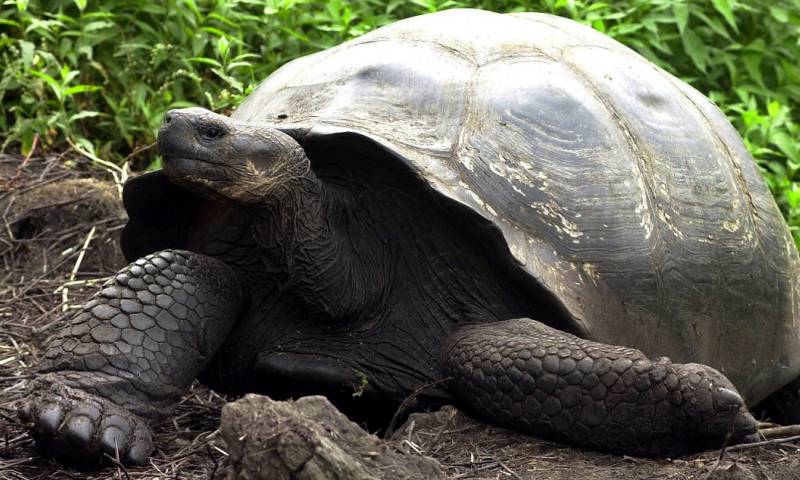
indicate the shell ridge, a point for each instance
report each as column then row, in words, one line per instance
column 645, row 174
column 738, row 177
column 408, row 39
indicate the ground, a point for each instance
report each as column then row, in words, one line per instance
column 58, row 240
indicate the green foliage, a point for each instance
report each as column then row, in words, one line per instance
column 98, row 75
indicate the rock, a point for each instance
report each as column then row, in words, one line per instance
column 309, row 439
column 732, row 471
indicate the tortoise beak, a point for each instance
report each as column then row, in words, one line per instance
column 176, row 136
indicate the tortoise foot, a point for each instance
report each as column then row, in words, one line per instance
column 711, row 405
column 80, row 428
column 525, row 375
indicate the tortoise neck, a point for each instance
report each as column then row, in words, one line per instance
column 314, row 244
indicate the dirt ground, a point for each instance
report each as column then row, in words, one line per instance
column 58, row 241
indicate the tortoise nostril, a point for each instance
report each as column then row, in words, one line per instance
column 167, row 118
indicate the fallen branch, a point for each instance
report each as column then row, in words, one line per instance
column 780, row 431
column 776, row 441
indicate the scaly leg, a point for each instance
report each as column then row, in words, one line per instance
column 129, row 354
column 525, row 375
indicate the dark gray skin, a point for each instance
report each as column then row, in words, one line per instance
column 346, row 281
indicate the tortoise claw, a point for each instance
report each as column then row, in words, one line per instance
column 25, row 411
column 113, row 441
column 49, row 419
column 140, row 448
column 78, row 431
column 78, row 428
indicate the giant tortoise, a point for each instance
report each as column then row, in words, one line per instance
column 470, row 206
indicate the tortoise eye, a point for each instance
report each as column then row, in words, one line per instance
column 211, row 132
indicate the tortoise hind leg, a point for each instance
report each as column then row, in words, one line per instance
column 129, row 354
column 525, row 375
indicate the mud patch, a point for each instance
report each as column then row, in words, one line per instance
column 49, row 213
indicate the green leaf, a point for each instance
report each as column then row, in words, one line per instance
column 779, row 14
column 695, row 48
column 68, row 75
column 713, row 23
column 223, row 47
column 52, row 82
column 207, row 61
column 724, row 7
column 231, row 81
column 786, row 144
column 214, row 31
column 681, row 12
column 86, row 144
column 81, row 4
column 752, row 62
column 232, row 65
column 773, row 108
column 81, row 89
column 222, row 19
column 27, row 140
column 83, row 114
column 193, row 7
column 599, row 25
column 153, row 8
column 26, row 51
column 98, row 25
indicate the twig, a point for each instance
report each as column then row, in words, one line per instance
column 137, row 151
column 775, row 441
column 65, row 291
column 118, row 464
column 120, row 174
column 30, row 154
column 216, row 464
column 508, row 470
column 779, row 432
column 110, row 166
column 21, row 167
column 408, row 401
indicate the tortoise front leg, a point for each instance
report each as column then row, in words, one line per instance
column 525, row 375
column 129, row 354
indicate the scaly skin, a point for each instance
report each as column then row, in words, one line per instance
column 531, row 377
column 129, row 355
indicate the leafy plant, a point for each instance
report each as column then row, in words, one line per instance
column 98, row 75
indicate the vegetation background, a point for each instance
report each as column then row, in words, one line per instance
column 96, row 76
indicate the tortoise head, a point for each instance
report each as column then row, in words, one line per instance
column 221, row 158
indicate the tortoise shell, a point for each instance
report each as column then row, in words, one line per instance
column 615, row 186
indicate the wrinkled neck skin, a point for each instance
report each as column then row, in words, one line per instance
column 312, row 242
